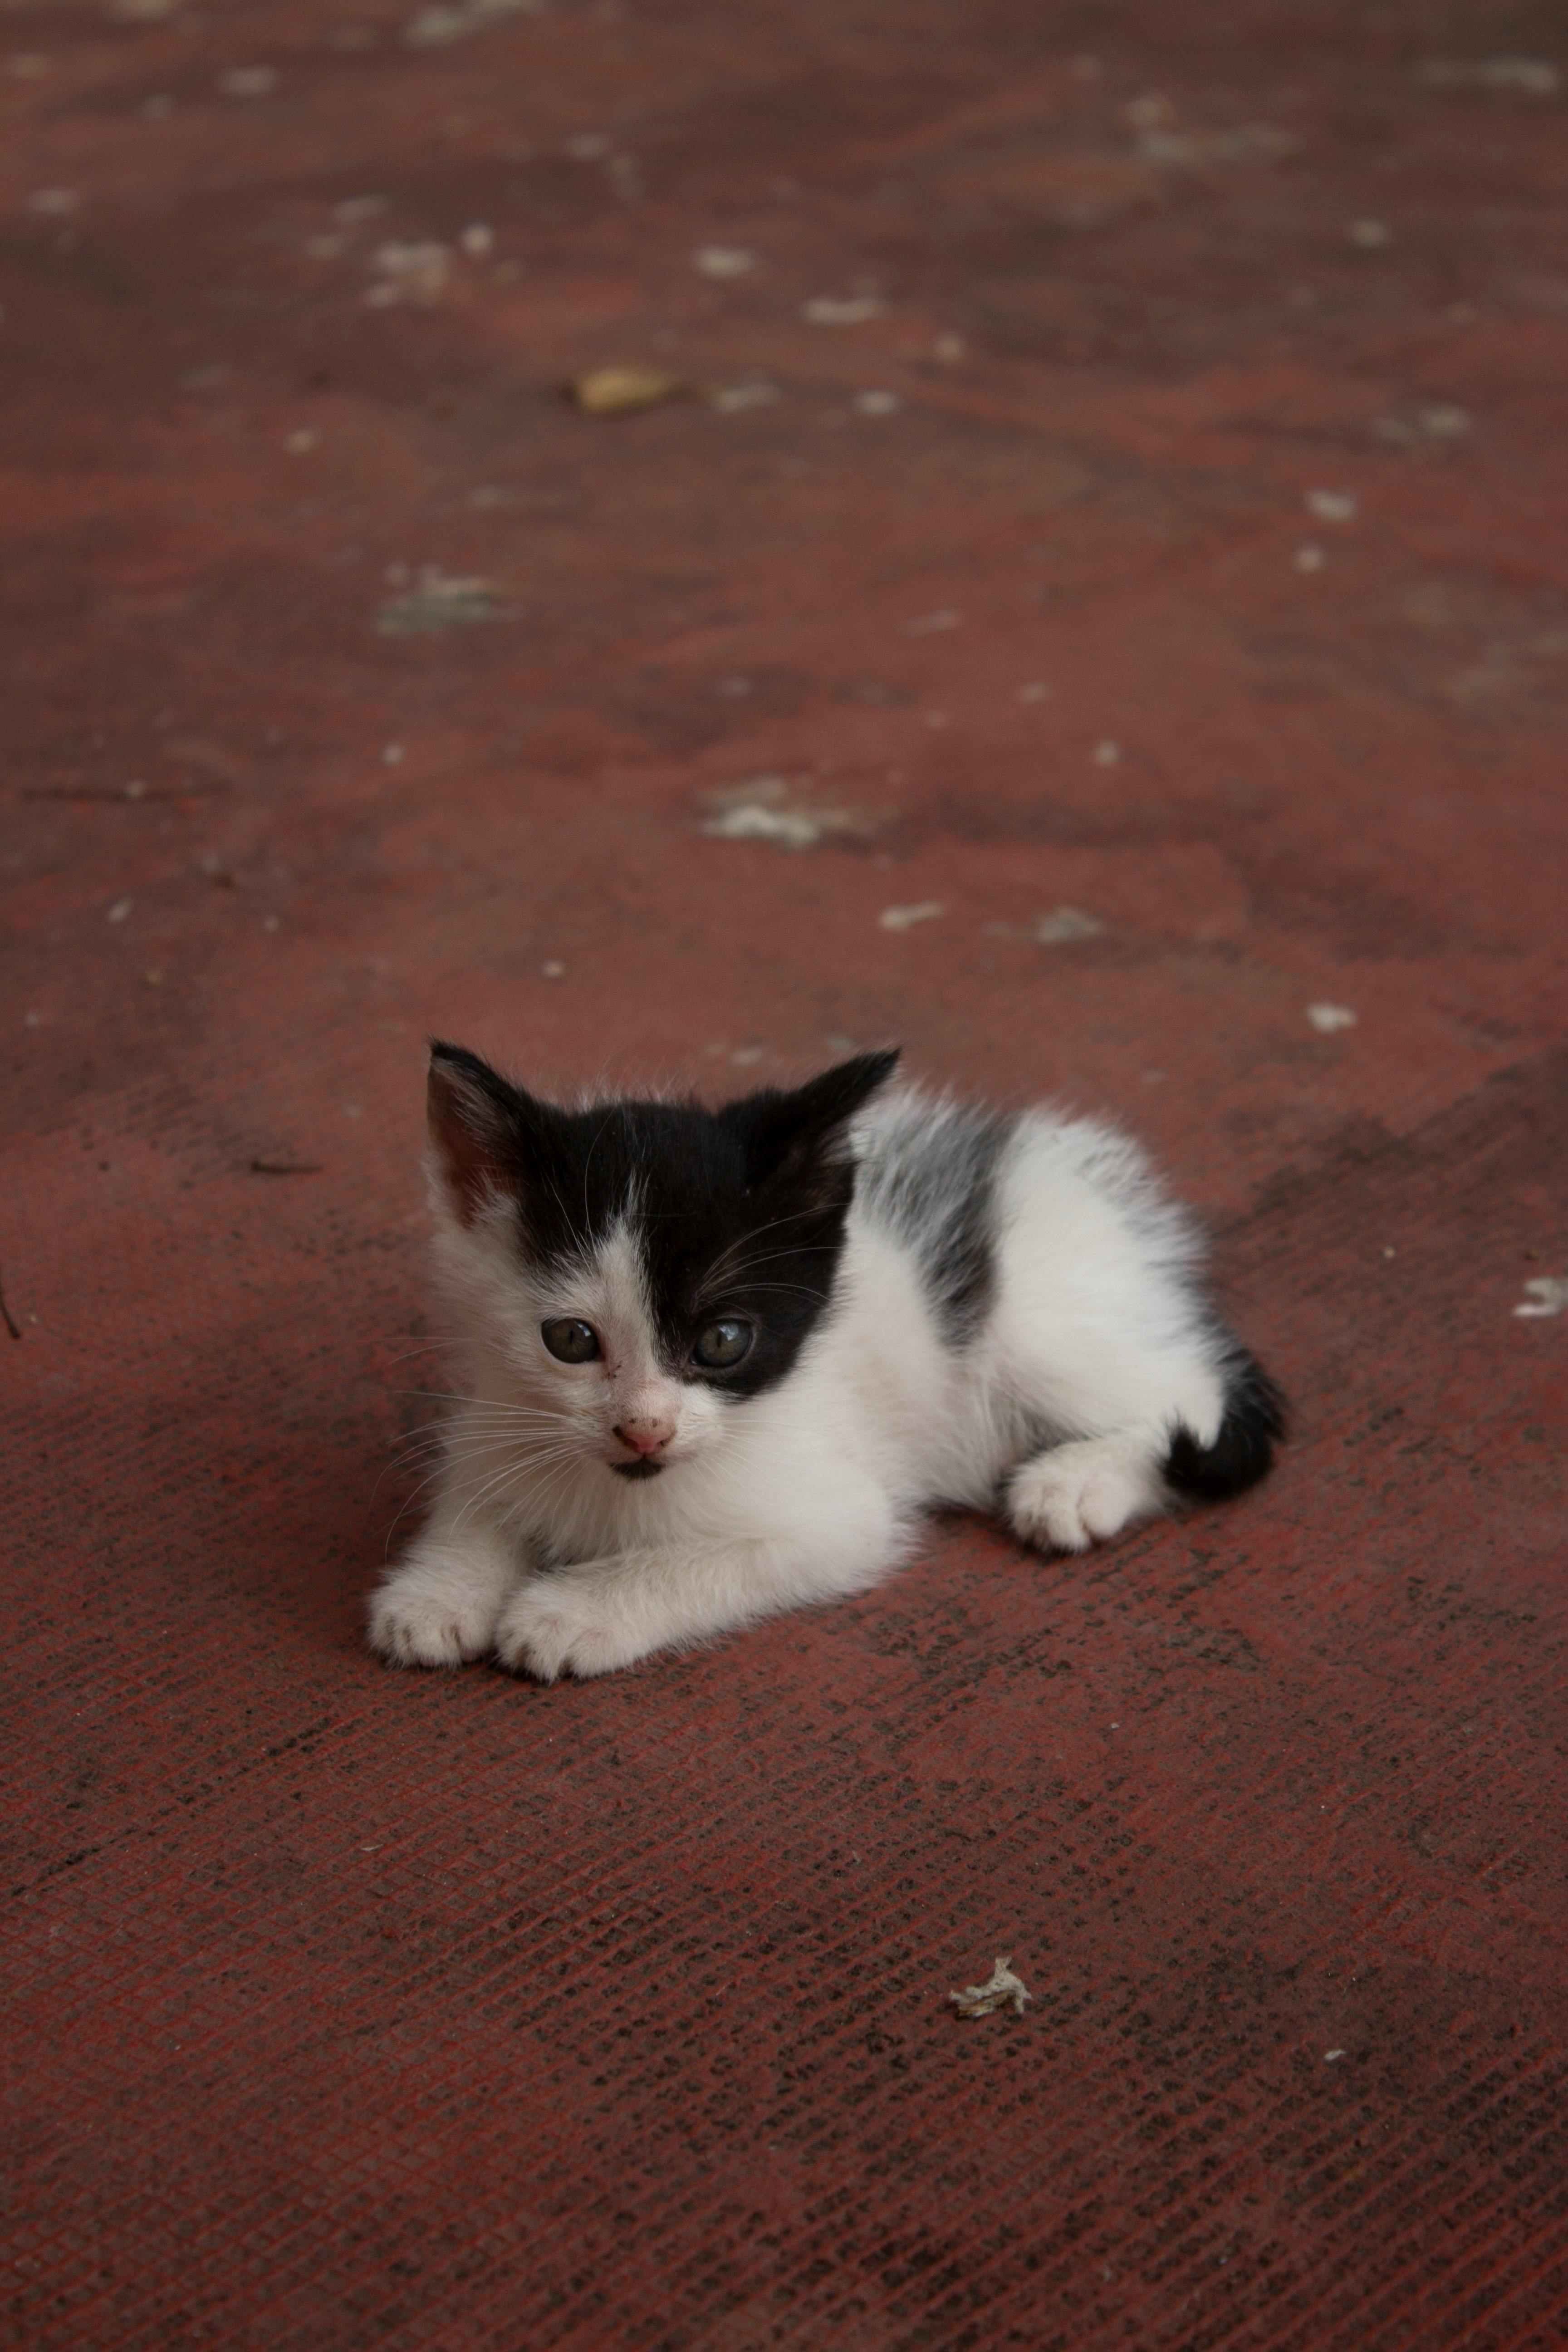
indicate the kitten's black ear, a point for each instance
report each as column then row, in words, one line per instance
column 477, row 1129
column 835, row 1096
column 774, row 1127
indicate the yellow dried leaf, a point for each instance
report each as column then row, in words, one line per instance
column 618, row 391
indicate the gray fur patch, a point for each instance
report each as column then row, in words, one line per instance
column 927, row 1174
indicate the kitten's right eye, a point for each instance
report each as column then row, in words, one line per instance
column 569, row 1341
column 724, row 1345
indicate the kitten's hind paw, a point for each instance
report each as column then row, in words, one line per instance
column 440, row 1610
column 557, row 1626
column 1081, row 1494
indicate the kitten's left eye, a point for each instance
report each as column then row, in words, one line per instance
column 723, row 1344
column 570, row 1341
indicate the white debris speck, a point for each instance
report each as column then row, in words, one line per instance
column 418, row 274
column 1330, row 2056
column 1148, row 113
column 1328, row 1019
column 54, row 203
column 1246, row 142
column 1370, row 235
column 1035, row 691
column 478, row 239
column 1548, row 1295
column 1444, row 420
column 1515, row 77
column 1107, row 753
column 791, row 828
column 846, row 310
column 722, row 261
column 392, row 755
column 1440, row 420
column 1310, row 558
column 904, row 919
column 931, row 625
column 120, row 909
column 439, row 600
column 300, row 444
column 553, row 971
column 435, row 28
column 948, row 349
column 798, row 829
column 878, row 403
column 249, row 81
column 761, row 809
column 745, row 1057
column 587, row 147
column 1002, row 1989
column 1065, row 923
column 1332, row 506
column 735, row 399
column 355, row 209
column 274, row 923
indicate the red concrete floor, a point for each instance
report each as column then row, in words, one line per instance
column 1205, row 572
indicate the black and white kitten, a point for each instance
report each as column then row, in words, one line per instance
column 711, row 1364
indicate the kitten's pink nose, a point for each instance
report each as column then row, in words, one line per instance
column 645, row 1435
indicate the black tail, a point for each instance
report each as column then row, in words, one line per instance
column 1241, row 1453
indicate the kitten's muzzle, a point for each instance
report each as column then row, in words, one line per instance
column 645, row 1435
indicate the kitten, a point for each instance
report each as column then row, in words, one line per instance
column 711, row 1364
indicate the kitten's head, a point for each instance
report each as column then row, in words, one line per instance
column 644, row 1265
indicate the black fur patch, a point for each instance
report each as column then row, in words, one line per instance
column 737, row 1212
column 1254, row 1423
column 932, row 1181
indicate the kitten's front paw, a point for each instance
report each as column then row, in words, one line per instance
column 1081, row 1494
column 558, row 1625
column 436, row 1611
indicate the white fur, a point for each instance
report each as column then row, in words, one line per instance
column 1095, row 1340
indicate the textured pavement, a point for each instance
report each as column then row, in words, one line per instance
column 1094, row 609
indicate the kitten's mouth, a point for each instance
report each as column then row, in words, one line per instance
column 641, row 1468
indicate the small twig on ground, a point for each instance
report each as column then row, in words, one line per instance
column 1002, row 1989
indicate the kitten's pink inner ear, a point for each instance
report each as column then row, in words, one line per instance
column 470, row 1134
